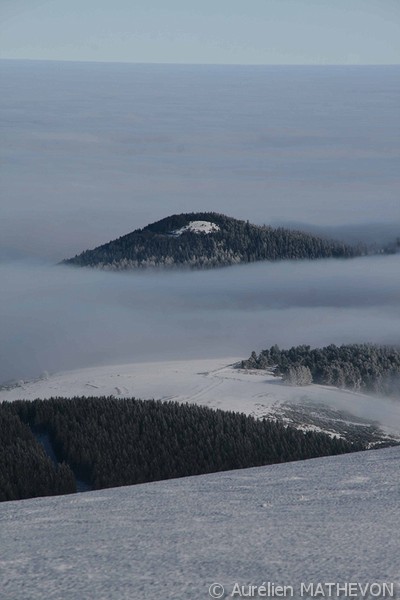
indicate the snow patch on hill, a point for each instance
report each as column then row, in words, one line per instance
column 197, row 227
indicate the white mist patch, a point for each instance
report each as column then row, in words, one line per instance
column 197, row 227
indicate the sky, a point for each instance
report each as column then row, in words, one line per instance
column 207, row 32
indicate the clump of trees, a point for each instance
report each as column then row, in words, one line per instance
column 298, row 375
column 111, row 442
column 235, row 242
column 364, row 367
column 25, row 469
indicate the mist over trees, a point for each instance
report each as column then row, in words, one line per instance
column 109, row 442
column 364, row 367
column 236, row 242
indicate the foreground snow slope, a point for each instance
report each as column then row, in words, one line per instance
column 215, row 383
column 324, row 520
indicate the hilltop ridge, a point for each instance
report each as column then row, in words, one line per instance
column 207, row 240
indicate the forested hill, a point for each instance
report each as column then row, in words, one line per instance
column 365, row 367
column 109, row 442
column 205, row 240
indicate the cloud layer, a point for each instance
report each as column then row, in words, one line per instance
column 56, row 318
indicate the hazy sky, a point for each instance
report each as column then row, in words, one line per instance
column 211, row 31
column 91, row 151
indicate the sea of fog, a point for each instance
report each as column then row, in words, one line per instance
column 57, row 318
column 92, row 151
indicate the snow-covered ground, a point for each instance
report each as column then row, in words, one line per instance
column 331, row 519
column 217, row 384
column 323, row 520
column 197, row 227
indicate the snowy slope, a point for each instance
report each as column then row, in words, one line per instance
column 324, row 520
column 215, row 383
column 197, row 227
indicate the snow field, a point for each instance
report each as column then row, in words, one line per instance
column 217, row 384
column 329, row 519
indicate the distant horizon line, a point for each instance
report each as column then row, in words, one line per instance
column 196, row 64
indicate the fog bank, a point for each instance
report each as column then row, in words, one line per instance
column 57, row 318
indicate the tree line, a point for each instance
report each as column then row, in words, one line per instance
column 364, row 367
column 111, row 442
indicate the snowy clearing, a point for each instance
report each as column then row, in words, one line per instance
column 197, row 227
column 322, row 520
column 217, row 384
